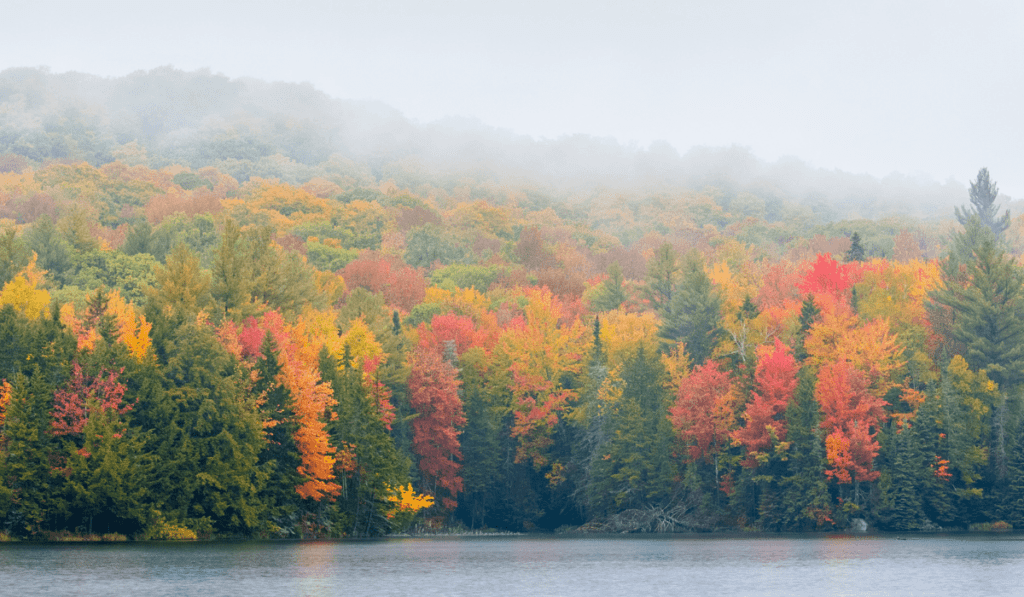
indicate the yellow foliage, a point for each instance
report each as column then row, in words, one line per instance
column 362, row 346
column 405, row 498
column 23, row 292
column 623, row 333
column 869, row 347
column 133, row 329
column 677, row 365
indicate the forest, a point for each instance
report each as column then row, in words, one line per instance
column 219, row 321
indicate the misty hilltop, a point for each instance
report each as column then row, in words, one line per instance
column 250, row 128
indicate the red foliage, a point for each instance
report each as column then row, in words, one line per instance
column 775, row 376
column 403, row 286
column 460, row 330
column 853, row 415
column 704, row 411
column 434, row 395
column 70, row 412
column 828, row 276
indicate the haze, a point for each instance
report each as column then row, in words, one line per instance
column 926, row 89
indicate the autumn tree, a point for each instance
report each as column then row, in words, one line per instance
column 852, row 416
column 703, row 413
column 775, row 379
column 434, row 395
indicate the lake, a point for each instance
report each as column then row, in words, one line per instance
column 526, row 565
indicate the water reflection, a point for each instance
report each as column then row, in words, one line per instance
column 534, row 566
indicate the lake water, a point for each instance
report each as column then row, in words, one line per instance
column 527, row 565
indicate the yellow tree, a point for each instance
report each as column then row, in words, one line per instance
column 533, row 355
column 24, row 292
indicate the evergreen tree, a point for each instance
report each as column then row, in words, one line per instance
column 377, row 469
column 901, row 506
column 280, row 457
column 856, row 250
column 636, row 468
column 806, row 503
column 208, row 447
column 984, row 193
column 983, row 301
column 29, row 450
column 662, row 278
column 693, row 312
column 610, row 294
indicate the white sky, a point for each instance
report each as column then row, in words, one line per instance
column 932, row 88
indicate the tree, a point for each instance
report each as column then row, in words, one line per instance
column 981, row 305
column 434, row 395
column 634, row 467
column 984, row 193
column 851, row 416
column 776, row 380
column 610, row 294
column 662, row 277
column 693, row 312
column 704, row 413
column 856, row 250
column 280, row 457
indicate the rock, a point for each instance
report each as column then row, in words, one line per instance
column 858, row 525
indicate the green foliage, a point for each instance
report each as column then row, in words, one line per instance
column 693, row 312
column 983, row 195
column 480, row 277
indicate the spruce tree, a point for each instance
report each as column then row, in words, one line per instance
column 856, row 250
column 984, row 193
column 280, row 457
column 693, row 313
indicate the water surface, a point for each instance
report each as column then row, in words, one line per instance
column 528, row 565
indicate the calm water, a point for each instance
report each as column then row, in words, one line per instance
column 633, row 566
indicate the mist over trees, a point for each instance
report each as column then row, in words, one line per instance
column 247, row 128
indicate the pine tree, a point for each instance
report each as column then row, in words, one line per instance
column 983, row 195
column 693, row 314
column 611, row 293
column 280, row 457
column 901, row 505
column 662, row 278
column 806, row 503
column 856, row 250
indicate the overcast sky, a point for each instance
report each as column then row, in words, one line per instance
column 928, row 88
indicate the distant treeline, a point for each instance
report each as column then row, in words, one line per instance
column 248, row 128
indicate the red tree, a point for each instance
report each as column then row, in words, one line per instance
column 775, row 377
column 703, row 412
column 434, row 395
column 852, row 416
column 403, row 286
column 69, row 409
column 827, row 276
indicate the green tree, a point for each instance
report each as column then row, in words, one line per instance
column 378, row 467
column 856, row 250
column 806, row 503
column 984, row 193
column 983, row 301
column 662, row 277
column 14, row 255
column 207, row 447
column 611, row 293
column 636, row 468
column 280, row 457
column 693, row 313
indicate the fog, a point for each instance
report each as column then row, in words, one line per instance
column 249, row 127
column 922, row 88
